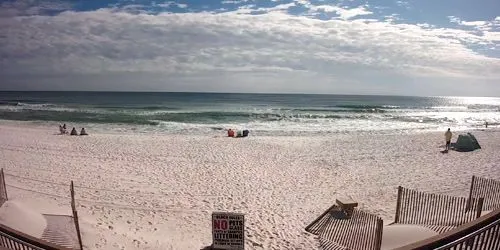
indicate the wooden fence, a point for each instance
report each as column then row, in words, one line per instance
column 362, row 231
column 441, row 211
column 3, row 189
column 75, row 215
column 488, row 189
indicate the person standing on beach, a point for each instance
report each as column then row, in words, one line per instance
column 447, row 136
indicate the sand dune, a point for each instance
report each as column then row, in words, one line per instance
column 137, row 191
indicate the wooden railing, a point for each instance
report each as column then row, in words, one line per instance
column 482, row 233
column 15, row 240
column 485, row 238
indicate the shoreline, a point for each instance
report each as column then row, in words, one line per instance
column 219, row 130
column 156, row 191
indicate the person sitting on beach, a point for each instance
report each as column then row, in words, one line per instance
column 230, row 133
column 61, row 130
column 83, row 132
column 73, row 131
column 447, row 136
column 64, row 126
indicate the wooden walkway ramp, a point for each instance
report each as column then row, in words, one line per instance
column 61, row 231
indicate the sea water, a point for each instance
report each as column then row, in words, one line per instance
column 262, row 114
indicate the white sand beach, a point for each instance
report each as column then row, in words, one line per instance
column 154, row 191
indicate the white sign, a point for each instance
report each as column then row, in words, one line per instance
column 228, row 231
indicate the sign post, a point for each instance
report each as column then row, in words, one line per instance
column 228, row 231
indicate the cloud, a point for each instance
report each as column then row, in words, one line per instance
column 234, row 2
column 171, row 3
column 404, row 4
column 488, row 25
column 271, row 51
column 343, row 13
column 473, row 23
column 252, row 8
column 454, row 19
column 392, row 18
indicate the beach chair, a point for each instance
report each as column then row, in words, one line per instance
column 438, row 212
column 488, row 189
column 342, row 226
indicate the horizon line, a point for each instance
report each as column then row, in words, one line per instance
column 238, row 93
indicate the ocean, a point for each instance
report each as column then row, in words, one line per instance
column 262, row 114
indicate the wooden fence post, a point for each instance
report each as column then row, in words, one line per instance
column 3, row 189
column 398, row 204
column 469, row 202
column 75, row 215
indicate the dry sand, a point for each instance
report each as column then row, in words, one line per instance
column 22, row 218
column 138, row 191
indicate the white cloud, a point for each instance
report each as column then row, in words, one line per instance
column 478, row 25
column 473, row 23
column 245, row 9
column 492, row 36
column 392, row 18
column 266, row 52
column 172, row 3
column 234, row 2
column 454, row 19
column 343, row 13
column 404, row 4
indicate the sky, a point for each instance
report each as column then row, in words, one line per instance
column 421, row 47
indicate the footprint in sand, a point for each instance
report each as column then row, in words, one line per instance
column 255, row 244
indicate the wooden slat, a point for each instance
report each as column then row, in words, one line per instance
column 361, row 231
column 315, row 226
column 61, row 231
column 489, row 189
column 421, row 208
column 75, row 215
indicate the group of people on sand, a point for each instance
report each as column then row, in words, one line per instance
column 237, row 133
column 63, row 131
